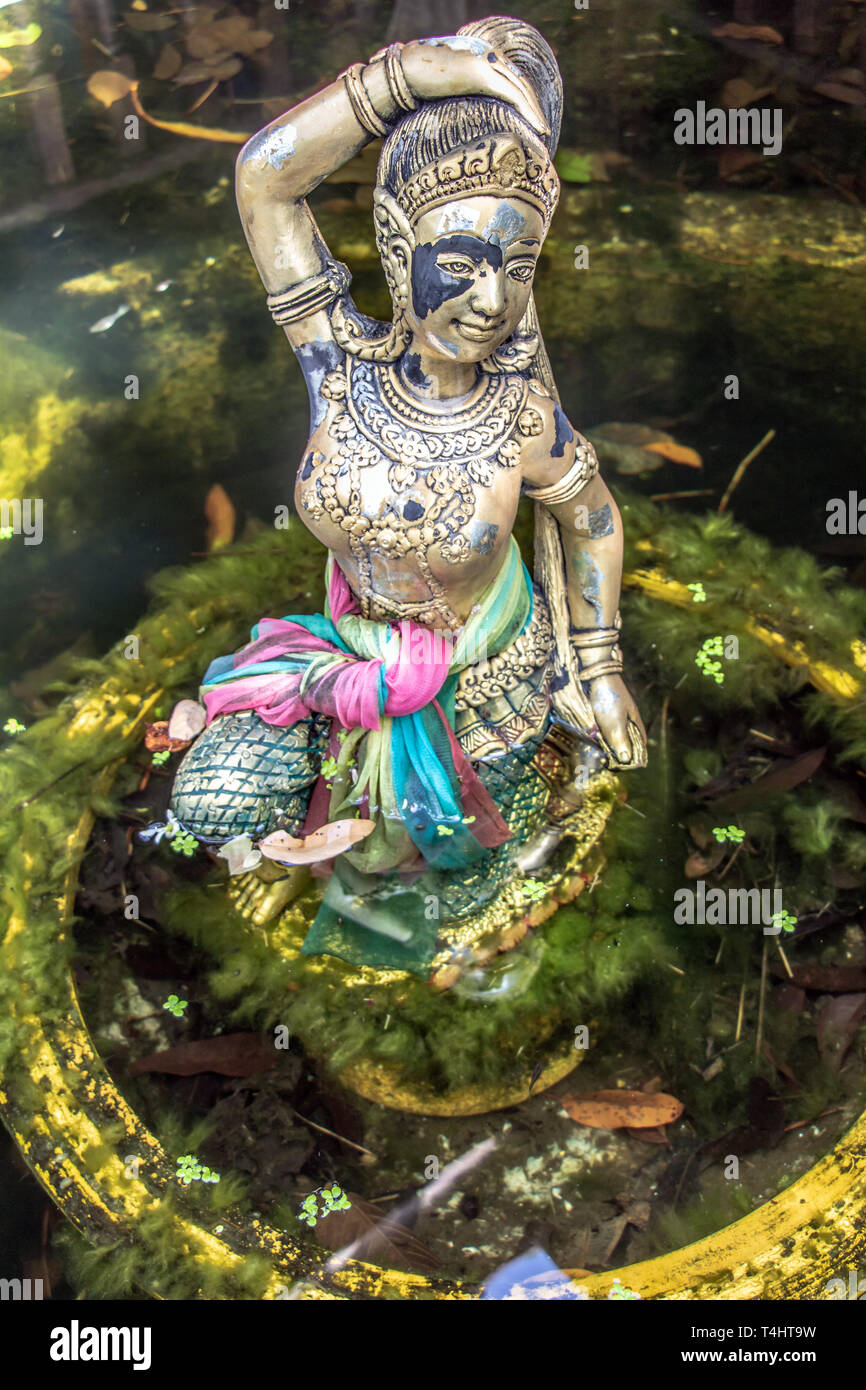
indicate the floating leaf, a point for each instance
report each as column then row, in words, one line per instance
column 622, row 1109
column 148, row 21
column 677, row 453
column 326, row 843
column 220, row 516
column 838, row 1021
column 233, row 1054
column 168, row 63
column 109, row 86
column 761, row 32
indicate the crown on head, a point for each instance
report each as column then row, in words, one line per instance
column 502, row 166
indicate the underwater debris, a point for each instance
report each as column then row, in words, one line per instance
column 622, row 1109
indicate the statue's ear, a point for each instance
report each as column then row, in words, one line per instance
column 396, row 241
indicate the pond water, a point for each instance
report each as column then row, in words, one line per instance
column 709, row 293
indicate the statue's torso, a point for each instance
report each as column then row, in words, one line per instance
column 417, row 504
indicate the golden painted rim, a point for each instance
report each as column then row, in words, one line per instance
column 788, row 1248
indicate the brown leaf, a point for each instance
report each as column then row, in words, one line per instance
column 157, row 738
column 622, row 1109
column 676, row 453
column 385, row 1241
column 829, row 979
column 5, row 68
column 733, row 161
column 760, row 32
column 168, row 63
column 232, row 1054
column 147, row 21
column 780, row 1067
column 108, row 86
column 252, row 41
column 783, row 776
column 790, row 998
column 698, row 864
column 739, row 92
column 839, row 91
column 218, row 507
column 838, row 1021
column 649, row 1136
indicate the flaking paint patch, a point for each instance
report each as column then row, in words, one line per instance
column 457, row 217
column 460, row 43
column 274, row 146
column 504, row 226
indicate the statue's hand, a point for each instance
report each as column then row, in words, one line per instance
column 615, row 710
column 460, row 65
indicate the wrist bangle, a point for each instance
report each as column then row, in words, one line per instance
column 396, row 79
column 601, row 668
column 587, row 637
column 359, row 98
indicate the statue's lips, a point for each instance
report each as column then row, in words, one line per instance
column 476, row 334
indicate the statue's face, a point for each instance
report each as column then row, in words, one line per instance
column 470, row 275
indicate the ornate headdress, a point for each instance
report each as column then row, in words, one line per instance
column 502, row 166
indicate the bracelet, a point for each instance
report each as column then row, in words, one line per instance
column 585, row 466
column 396, row 79
column 299, row 301
column 594, row 637
column 359, row 98
column 613, row 667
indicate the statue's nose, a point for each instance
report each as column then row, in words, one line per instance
column 488, row 296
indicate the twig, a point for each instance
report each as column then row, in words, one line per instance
column 741, row 468
column 740, row 1012
column 801, row 1124
column 675, row 496
column 731, row 860
column 323, row 1130
column 785, row 961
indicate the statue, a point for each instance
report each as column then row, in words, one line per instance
column 439, row 723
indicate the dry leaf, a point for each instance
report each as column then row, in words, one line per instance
column 332, row 839
column 220, row 516
column 649, row 1136
column 761, row 32
column 698, row 864
column 739, row 92
column 677, row 453
column 168, row 63
column 783, row 776
column 829, row 979
column 622, row 1109
column 233, row 1054
column 386, row 1242
column 838, row 1021
column 157, row 738
column 5, row 68
column 839, row 91
column 108, row 86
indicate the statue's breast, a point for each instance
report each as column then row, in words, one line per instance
column 419, row 500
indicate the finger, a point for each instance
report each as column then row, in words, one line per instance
column 517, row 92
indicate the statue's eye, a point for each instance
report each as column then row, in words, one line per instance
column 522, row 271
column 460, row 266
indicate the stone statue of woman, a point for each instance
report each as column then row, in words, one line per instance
column 450, row 704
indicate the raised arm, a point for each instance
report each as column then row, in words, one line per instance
column 285, row 161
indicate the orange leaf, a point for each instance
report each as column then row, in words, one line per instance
column 677, row 453
column 220, row 515
column 108, row 86
column 762, row 32
column 622, row 1109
